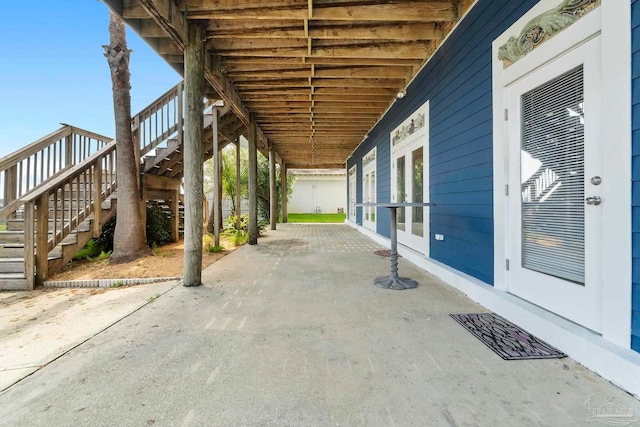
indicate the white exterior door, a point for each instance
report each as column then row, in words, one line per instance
column 369, row 191
column 352, row 194
column 554, row 176
column 410, row 179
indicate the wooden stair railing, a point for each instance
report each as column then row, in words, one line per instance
column 59, row 206
column 24, row 170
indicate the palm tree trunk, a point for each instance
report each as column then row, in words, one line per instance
column 129, row 240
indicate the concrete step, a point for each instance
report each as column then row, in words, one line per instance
column 11, row 265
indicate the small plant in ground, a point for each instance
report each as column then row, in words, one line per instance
column 153, row 298
column 90, row 251
column 101, row 256
column 209, row 248
column 117, row 284
column 239, row 238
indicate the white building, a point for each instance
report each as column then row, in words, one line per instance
column 318, row 191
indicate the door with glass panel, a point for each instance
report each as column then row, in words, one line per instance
column 369, row 190
column 352, row 194
column 555, row 218
column 408, row 185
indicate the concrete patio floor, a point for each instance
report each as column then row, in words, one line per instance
column 292, row 332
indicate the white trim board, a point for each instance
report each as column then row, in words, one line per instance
column 618, row 365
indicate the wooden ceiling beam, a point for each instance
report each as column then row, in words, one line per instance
column 270, row 33
column 148, row 28
column 375, row 31
column 323, row 30
column 222, row 45
column 317, row 165
column 364, row 72
column 356, row 83
column 345, row 90
column 186, row 5
column 364, row 61
column 409, row 50
column 239, row 67
column 283, row 52
column 353, row 98
column 268, row 74
column 433, row 11
column 268, row 84
column 249, row 13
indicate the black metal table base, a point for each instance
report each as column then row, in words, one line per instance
column 397, row 283
column 393, row 281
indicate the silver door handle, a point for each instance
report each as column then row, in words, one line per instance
column 595, row 200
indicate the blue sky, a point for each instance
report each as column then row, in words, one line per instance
column 52, row 70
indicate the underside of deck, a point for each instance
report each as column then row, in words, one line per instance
column 314, row 75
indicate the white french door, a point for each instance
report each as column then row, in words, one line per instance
column 554, row 176
column 409, row 182
column 369, row 190
column 352, row 194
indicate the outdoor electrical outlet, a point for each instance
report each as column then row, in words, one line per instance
column 439, row 236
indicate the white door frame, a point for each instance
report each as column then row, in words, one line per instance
column 353, row 180
column 612, row 20
column 577, row 302
column 370, row 194
column 412, row 134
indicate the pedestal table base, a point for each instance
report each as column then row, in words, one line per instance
column 397, row 283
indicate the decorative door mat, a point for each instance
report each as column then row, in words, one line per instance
column 506, row 339
column 383, row 252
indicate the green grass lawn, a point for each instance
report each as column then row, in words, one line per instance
column 311, row 217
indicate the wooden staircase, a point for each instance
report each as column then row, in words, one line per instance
column 59, row 191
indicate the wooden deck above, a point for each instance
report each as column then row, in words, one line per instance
column 315, row 75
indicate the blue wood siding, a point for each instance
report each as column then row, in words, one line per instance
column 635, row 168
column 457, row 82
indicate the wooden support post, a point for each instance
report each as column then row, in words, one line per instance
column 180, row 120
column 238, row 186
column 273, row 194
column 42, row 239
column 217, row 181
column 253, row 184
column 193, row 152
column 283, row 188
column 29, row 245
column 11, row 186
column 96, row 225
column 68, row 150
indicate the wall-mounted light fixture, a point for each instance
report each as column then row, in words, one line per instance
column 401, row 94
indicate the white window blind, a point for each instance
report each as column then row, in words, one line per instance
column 552, row 177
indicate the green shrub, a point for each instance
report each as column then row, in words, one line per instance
column 244, row 224
column 105, row 239
column 158, row 230
column 158, row 225
column 91, row 250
